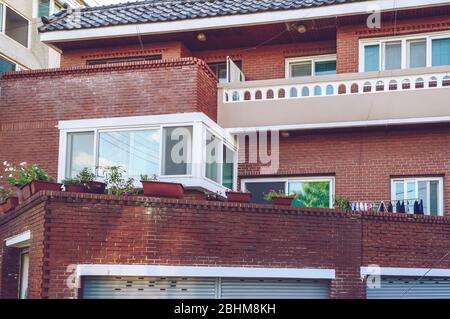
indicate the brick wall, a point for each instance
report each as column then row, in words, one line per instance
column 104, row 229
column 168, row 50
column 268, row 62
column 28, row 128
column 364, row 160
column 29, row 217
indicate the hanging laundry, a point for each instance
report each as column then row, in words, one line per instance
column 381, row 208
column 416, row 207
column 402, row 207
column 390, row 208
column 398, row 207
column 421, row 212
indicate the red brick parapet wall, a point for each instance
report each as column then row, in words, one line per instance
column 70, row 229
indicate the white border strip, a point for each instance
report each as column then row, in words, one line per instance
column 238, row 20
column 18, row 241
column 421, row 120
column 194, row 271
column 413, row 272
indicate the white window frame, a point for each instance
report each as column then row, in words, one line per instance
column 199, row 122
column 417, row 180
column 313, row 59
column 17, row 66
column 288, row 180
column 51, row 11
column 3, row 31
column 381, row 42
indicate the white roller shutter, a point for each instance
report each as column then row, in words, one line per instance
column 148, row 288
column 274, row 289
column 202, row 288
column 411, row 288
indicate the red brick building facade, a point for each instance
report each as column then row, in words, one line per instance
column 365, row 157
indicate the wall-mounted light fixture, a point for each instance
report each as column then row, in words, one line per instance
column 201, row 37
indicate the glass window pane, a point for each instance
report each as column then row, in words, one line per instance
column 1, row 17
column 16, row 27
column 417, row 54
column 135, row 151
column 258, row 189
column 393, row 56
column 434, row 198
column 410, row 196
column 441, row 52
column 301, row 69
column 371, row 58
column 325, row 67
column 177, row 150
column 80, row 152
column 423, row 194
column 44, row 8
column 6, row 66
column 228, row 168
column 311, row 194
column 212, row 160
column 399, row 191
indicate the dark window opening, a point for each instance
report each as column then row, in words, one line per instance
column 6, row 66
column 124, row 59
column 220, row 70
column 16, row 27
column 258, row 189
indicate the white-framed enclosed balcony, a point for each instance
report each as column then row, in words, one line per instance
column 341, row 99
column 186, row 148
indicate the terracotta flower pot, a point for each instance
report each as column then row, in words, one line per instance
column 36, row 186
column 95, row 187
column 239, row 197
column 10, row 204
column 283, row 201
column 75, row 188
column 163, row 189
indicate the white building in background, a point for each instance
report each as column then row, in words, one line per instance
column 20, row 48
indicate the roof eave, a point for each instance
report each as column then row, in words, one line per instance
column 353, row 8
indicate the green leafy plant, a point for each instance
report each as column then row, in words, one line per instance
column 117, row 184
column 146, row 178
column 22, row 174
column 342, row 203
column 277, row 194
column 85, row 175
column 72, row 181
column 314, row 194
column 5, row 193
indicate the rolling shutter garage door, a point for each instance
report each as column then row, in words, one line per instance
column 411, row 288
column 274, row 288
column 201, row 288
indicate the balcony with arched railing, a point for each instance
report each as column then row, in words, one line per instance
column 402, row 90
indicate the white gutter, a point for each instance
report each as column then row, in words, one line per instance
column 332, row 125
column 240, row 20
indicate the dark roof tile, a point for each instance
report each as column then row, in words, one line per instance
column 149, row 11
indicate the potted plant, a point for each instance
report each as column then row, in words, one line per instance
column 74, row 185
column 87, row 178
column 239, row 197
column 7, row 200
column 341, row 203
column 29, row 179
column 211, row 196
column 117, row 184
column 279, row 197
column 155, row 188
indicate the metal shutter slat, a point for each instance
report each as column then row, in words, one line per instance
column 425, row 288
